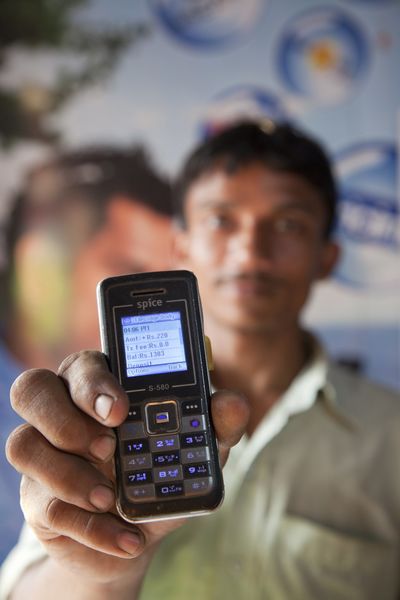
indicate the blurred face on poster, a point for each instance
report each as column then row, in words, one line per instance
column 86, row 215
column 57, row 269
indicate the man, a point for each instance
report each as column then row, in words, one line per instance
column 312, row 506
column 81, row 216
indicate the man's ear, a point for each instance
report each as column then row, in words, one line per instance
column 330, row 255
column 180, row 244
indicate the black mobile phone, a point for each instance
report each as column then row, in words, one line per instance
column 166, row 460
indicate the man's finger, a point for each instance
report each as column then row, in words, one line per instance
column 42, row 399
column 230, row 414
column 52, row 519
column 94, row 388
column 68, row 477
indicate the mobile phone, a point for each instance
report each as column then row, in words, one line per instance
column 166, row 461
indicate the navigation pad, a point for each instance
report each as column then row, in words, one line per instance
column 161, row 417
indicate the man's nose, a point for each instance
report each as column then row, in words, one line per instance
column 252, row 244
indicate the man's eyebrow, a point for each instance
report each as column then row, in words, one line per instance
column 231, row 204
column 295, row 205
column 215, row 203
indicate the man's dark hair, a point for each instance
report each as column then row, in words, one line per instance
column 279, row 147
column 88, row 178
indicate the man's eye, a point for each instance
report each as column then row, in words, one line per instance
column 218, row 221
column 288, row 225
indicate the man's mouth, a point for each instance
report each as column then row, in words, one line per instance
column 250, row 284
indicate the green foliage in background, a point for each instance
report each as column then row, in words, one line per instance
column 53, row 26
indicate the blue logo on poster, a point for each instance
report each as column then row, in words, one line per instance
column 369, row 215
column 238, row 103
column 322, row 54
column 208, row 23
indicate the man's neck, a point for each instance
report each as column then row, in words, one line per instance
column 261, row 365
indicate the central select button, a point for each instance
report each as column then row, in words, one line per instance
column 162, row 417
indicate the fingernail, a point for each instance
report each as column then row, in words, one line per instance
column 103, row 405
column 102, row 497
column 102, row 447
column 129, row 542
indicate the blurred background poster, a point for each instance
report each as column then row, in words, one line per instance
column 167, row 72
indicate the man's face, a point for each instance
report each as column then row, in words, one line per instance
column 254, row 238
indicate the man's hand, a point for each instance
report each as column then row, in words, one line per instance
column 65, row 454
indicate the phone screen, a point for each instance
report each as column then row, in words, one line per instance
column 153, row 344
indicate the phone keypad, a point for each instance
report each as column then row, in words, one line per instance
column 130, row 431
column 166, row 458
column 189, row 455
column 197, row 470
column 191, row 407
column 193, row 423
column 166, row 464
column 134, row 414
column 162, row 417
column 137, row 446
column 197, row 486
column 164, row 442
column 170, row 490
column 139, row 477
column 173, row 473
column 140, row 493
column 194, row 439
column 140, row 461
